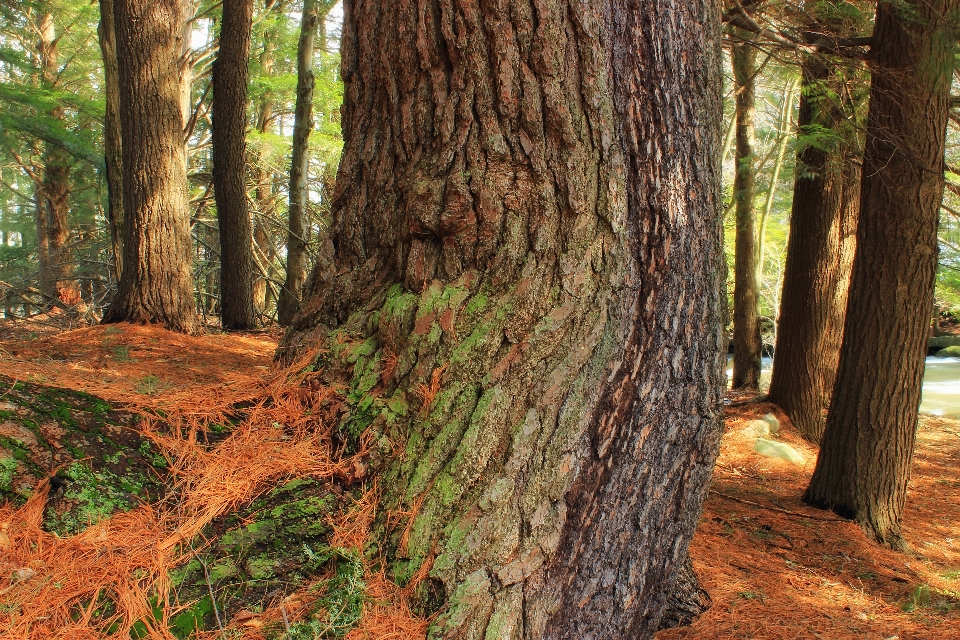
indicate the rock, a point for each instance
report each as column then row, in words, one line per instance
column 780, row 450
column 949, row 352
column 756, row 429
column 943, row 341
column 771, row 420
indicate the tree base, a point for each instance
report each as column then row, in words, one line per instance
column 688, row 600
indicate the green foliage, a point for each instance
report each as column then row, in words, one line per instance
column 341, row 605
column 8, row 467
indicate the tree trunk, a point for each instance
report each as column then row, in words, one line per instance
column 229, row 166
column 156, row 285
column 820, row 248
column 747, row 345
column 111, row 133
column 522, row 288
column 47, row 282
column 289, row 302
column 56, row 179
column 864, row 461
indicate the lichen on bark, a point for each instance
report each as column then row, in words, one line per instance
column 526, row 226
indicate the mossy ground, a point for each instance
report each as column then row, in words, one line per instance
column 97, row 461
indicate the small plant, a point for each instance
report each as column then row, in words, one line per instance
column 122, row 353
column 8, row 467
column 150, row 385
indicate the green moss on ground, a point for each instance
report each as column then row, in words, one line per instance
column 102, row 464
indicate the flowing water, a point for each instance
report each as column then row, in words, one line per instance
column 941, row 385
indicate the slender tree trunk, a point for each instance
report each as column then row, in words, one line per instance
column 865, row 456
column 266, row 198
column 229, row 165
column 47, row 281
column 156, row 285
column 526, row 231
column 785, row 127
column 56, row 179
column 820, row 248
column 747, row 345
column 289, row 302
column 111, row 133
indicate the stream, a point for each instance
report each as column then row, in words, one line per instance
column 941, row 385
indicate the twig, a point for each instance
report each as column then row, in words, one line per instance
column 206, row 577
column 286, row 623
column 777, row 509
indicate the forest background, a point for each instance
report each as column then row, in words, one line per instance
column 52, row 106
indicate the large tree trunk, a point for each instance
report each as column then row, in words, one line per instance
column 111, row 133
column 56, row 180
column 229, row 165
column 156, row 285
column 747, row 345
column 820, row 249
column 289, row 301
column 522, row 288
column 864, row 462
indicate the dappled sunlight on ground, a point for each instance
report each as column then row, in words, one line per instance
column 775, row 575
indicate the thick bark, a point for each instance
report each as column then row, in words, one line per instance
column 229, row 165
column 820, row 249
column 526, row 237
column 289, row 302
column 865, row 456
column 113, row 160
column 156, row 285
column 747, row 345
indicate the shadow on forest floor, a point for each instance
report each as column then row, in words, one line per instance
column 781, row 576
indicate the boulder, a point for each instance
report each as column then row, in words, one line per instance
column 756, row 429
column 780, row 450
column 774, row 423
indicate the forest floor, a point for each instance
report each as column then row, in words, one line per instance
column 166, row 432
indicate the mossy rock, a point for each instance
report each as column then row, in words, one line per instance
column 949, row 352
column 270, row 547
column 104, row 465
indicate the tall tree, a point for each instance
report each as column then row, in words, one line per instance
column 156, row 285
column 821, row 245
column 56, row 180
column 289, row 301
column 522, row 287
column 865, row 456
column 113, row 161
column 747, row 345
column 230, row 73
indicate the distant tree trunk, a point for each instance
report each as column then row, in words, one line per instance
column 47, row 282
column 865, row 456
column 56, row 179
column 747, row 345
column 156, row 285
column 229, row 165
column 820, row 248
column 525, row 275
column 265, row 193
column 289, row 302
column 111, row 133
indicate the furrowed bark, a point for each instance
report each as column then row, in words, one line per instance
column 864, row 463
column 229, row 166
column 820, row 249
column 156, row 285
column 522, row 289
column 747, row 344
